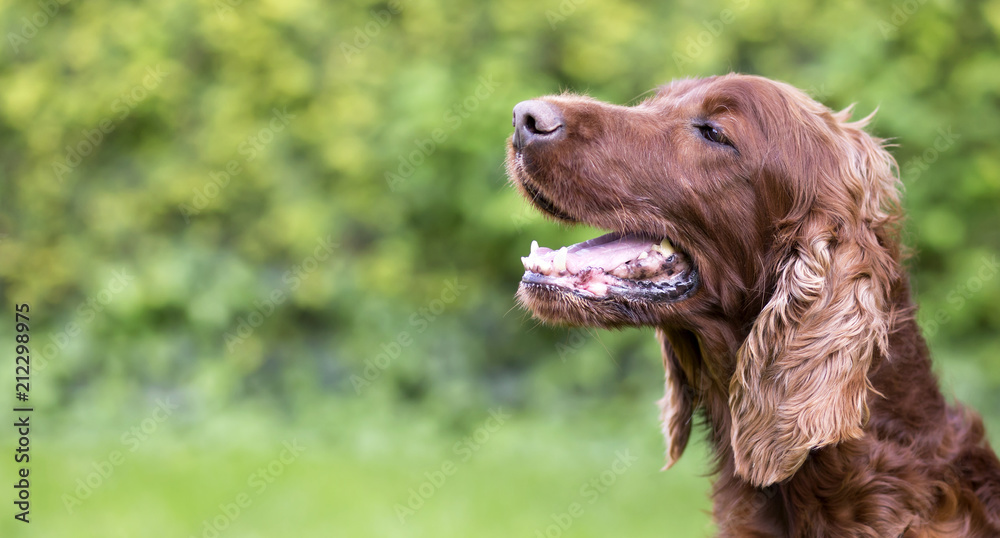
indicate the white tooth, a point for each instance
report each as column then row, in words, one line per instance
column 560, row 260
column 643, row 256
column 524, row 262
column 534, row 247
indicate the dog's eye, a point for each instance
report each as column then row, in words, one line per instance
column 714, row 135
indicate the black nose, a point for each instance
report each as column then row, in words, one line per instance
column 536, row 121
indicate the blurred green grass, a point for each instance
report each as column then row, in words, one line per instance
column 353, row 471
column 355, row 468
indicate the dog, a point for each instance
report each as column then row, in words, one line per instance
column 758, row 232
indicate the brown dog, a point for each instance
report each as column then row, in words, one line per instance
column 757, row 231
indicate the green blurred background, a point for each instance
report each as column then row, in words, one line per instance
column 270, row 254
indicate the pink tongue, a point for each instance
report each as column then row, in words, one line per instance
column 607, row 251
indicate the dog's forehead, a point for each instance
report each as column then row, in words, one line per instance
column 766, row 102
column 682, row 92
column 679, row 87
column 699, row 93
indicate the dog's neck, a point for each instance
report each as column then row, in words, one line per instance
column 708, row 360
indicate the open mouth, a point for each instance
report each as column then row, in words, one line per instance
column 630, row 265
column 619, row 265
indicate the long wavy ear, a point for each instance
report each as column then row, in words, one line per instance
column 679, row 398
column 801, row 380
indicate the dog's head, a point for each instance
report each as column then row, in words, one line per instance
column 751, row 225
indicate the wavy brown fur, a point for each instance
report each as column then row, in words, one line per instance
column 800, row 346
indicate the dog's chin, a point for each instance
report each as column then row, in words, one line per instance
column 558, row 307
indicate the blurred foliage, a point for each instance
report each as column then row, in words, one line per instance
column 176, row 175
column 381, row 127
